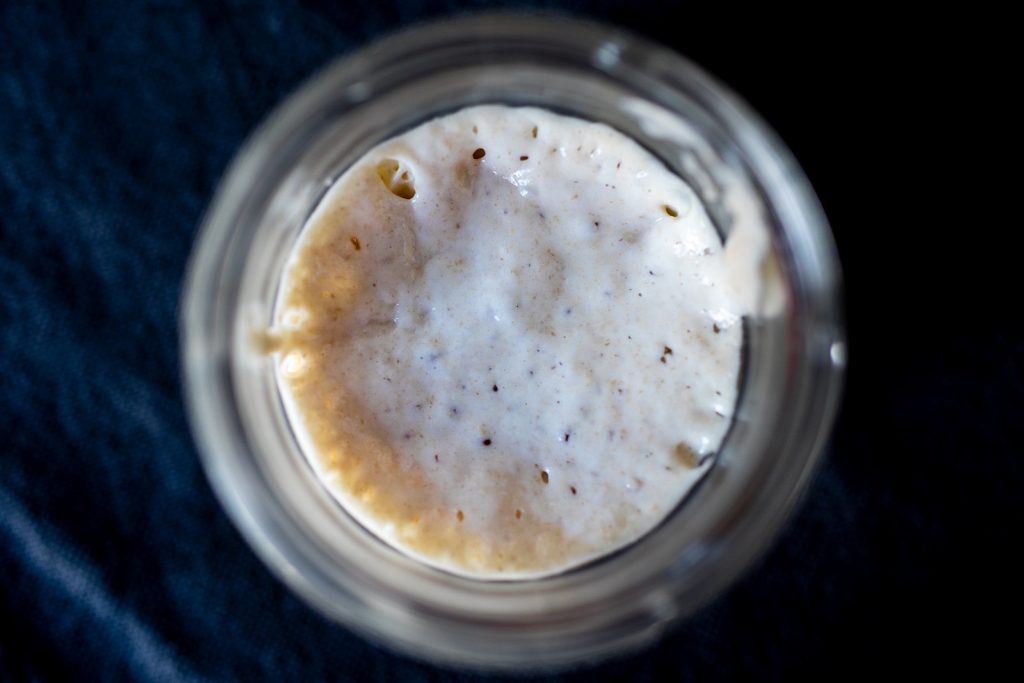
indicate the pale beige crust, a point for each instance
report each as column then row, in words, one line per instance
column 335, row 267
column 470, row 506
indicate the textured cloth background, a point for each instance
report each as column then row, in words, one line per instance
column 116, row 562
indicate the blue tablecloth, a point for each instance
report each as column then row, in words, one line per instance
column 116, row 561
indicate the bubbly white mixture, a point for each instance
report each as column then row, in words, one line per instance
column 507, row 343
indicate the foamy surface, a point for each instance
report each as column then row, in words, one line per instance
column 506, row 342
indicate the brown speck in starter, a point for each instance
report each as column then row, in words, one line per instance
column 479, row 153
column 355, row 243
column 519, row 514
column 523, row 157
column 716, row 328
column 494, row 387
column 666, row 352
column 567, row 437
column 544, row 476
column 487, row 442
column 460, row 516
column 535, row 131
column 686, row 456
column 437, row 458
column 573, row 489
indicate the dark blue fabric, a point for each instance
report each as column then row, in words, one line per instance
column 117, row 563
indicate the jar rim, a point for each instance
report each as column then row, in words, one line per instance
column 207, row 329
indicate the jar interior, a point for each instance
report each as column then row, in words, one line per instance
column 620, row 599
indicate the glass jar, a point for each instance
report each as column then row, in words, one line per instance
column 792, row 365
